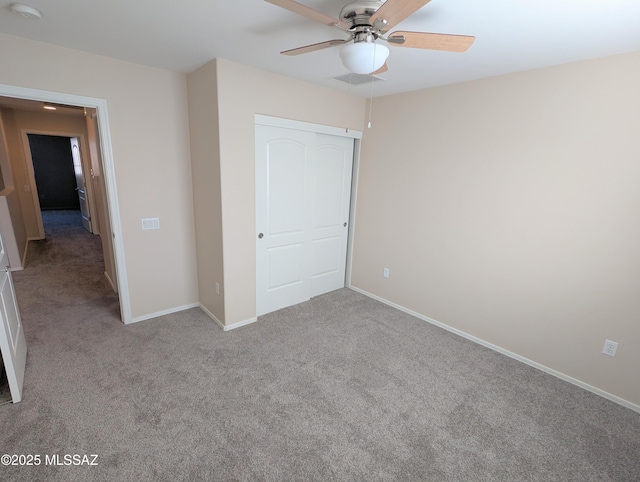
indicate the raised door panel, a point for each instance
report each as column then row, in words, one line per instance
column 286, row 171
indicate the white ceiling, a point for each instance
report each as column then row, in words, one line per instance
column 182, row 35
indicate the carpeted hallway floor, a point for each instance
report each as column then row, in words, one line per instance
column 338, row 388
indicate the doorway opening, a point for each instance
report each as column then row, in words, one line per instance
column 21, row 220
column 98, row 171
column 61, row 178
column 59, row 175
column 54, row 171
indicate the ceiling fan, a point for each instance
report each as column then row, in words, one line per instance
column 367, row 22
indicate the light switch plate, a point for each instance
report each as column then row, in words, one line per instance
column 150, row 223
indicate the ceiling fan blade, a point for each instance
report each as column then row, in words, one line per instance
column 395, row 11
column 431, row 41
column 310, row 13
column 313, row 47
column 381, row 70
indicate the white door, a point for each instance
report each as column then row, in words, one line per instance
column 331, row 200
column 80, row 184
column 303, row 188
column 283, row 227
column 12, row 342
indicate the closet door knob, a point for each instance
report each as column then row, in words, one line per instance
column 260, row 236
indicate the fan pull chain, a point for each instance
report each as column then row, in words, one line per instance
column 371, row 86
column 370, row 104
column 350, row 93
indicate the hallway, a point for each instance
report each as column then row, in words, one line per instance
column 63, row 284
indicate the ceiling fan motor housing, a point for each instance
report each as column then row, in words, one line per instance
column 363, row 56
column 358, row 13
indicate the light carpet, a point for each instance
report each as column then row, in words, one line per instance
column 338, row 388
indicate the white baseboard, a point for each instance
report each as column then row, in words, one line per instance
column 211, row 315
column 515, row 356
column 162, row 313
column 233, row 326
column 24, row 256
column 113, row 287
column 26, row 248
column 227, row 327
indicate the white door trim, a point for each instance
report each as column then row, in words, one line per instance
column 109, row 174
column 266, row 120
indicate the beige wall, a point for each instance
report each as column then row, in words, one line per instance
column 148, row 121
column 205, row 166
column 243, row 92
column 509, row 208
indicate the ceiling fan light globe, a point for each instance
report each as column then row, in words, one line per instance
column 363, row 57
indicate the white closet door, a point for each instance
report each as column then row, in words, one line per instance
column 303, row 190
column 283, row 199
column 331, row 200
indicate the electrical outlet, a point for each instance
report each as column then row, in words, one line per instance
column 610, row 348
column 217, row 288
column 385, row 273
